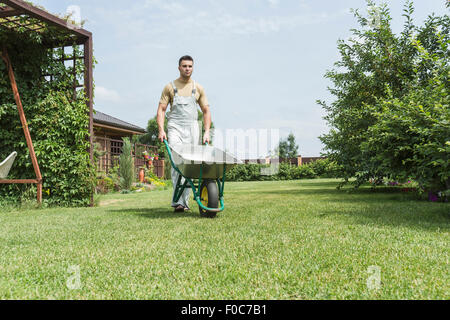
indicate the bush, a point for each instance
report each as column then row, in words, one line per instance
column 410, row 139
column 252, row 172
column 326, row 168
column 246, row 172
column 390, row 115
column 304, row 172
column 106, row 185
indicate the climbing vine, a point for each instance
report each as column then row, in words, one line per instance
column 57, row 116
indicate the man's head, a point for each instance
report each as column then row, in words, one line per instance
column 186, row 66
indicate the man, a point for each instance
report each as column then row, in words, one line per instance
column 183, row 95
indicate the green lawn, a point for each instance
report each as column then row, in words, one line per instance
column 275, row 240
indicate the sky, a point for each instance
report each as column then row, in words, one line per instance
column 261, row 62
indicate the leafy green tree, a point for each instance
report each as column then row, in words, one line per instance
column 292, row 150
column 411, row 136
column 151, row 137
column 376, row 65
column 287, row 148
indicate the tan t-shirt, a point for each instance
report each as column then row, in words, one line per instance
column 184, row 90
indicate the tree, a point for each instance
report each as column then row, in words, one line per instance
column 292, row 147
column 126, row 169
column 151, row 137
column 411, row 136
column 377, row 66
column 287, row 148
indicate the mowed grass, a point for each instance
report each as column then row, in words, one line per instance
column 275, row 240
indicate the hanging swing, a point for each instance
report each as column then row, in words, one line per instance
column 6, row 165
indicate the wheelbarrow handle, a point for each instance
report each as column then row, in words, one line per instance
column 170, row 157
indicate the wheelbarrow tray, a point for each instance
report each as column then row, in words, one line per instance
column 206, row 162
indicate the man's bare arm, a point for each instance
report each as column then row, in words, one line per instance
column 160, row 116
column 207, row 123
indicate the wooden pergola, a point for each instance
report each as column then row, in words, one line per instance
column 19, row 16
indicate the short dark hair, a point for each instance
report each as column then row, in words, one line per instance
column 185, row 58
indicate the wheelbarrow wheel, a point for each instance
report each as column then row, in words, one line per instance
column 209, row 197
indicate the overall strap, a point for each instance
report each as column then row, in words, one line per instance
column 175, row 90
column 194, row 90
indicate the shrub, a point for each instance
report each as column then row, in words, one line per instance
column 390, row 115
column 245, row 172
column 286, row 171
column 126, row 169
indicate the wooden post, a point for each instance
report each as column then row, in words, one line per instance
column 162, row 169
column 88, row 87
column 23, row 120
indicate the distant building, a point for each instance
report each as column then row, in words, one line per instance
column 306, row 160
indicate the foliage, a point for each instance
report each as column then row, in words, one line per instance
column 252, row 172
column 58, row 123
column 107, row 183
column 287, row 149
column 151, row 137
column 390, row 113
column 411, row 136
column 152, row 178
column 245, row 172
column 98, row 152
column 126, row 171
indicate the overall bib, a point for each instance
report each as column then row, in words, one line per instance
column 183, row 128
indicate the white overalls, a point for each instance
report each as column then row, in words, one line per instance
column 183, row 128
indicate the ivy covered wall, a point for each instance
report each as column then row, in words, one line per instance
column 58, row 122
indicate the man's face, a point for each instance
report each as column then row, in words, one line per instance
column 186, row 68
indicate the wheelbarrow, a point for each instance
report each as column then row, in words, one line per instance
column 205, row 165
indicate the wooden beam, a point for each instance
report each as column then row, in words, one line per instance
column 117, row 130
column 89, row 91
column 45, row 16
column 19, row 181
column 10, row 13
column 23, row 120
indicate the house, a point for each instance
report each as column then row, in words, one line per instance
column 106, row 126
column 109, row 133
